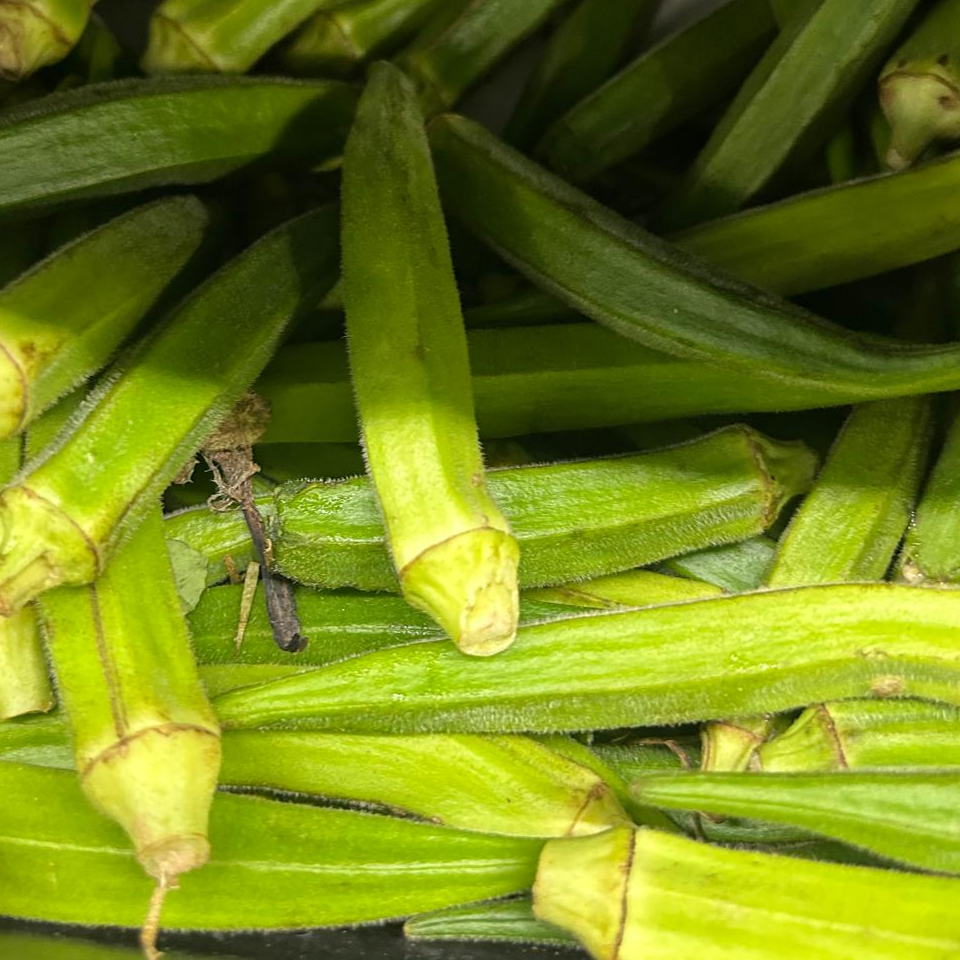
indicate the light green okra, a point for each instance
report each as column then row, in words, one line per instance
column 590, row 44
column 635, row 588
column 722, row 488
column 920, row 86
column 69, row 511
column 646, row 290
column 36, row 33
column 450, row 544
column 57, row 327
column 644, row 895
column 313, row 866
column 223, row 36
column 508, row 921
column 865, row 734
column 763, row 652
column 659, row 91
column 336, row 41
column 906, row 815
column 447, row 59
column 128, row 135
column 786, row 105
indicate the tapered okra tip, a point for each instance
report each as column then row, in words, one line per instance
column 28, row 41
column 921, row 109
column 468, row 584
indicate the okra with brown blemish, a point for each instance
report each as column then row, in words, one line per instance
column 722, row 488
column 67, row 513
column 57, row 328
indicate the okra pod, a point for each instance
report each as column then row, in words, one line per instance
column 312, row 866
column 931, row 551
column 724, row 487
column 810, row 73
column 444, row 63
column 905, row 815
column 146, row 742
column 646, row 895
column 509, row 921
column 450, row 544
column 767, row 652
column 39, row 32
column 338, row 40
column 635, row 588
column 68, row 512
column 625, row 278
column 56, row 328
column 920, row 86
column 735, row 567
column 220, row 36
column 659, row 91
column 127, row 135
column 585, row 50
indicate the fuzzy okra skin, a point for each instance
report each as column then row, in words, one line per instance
column 336, row 41
column 635, row 588
column 146, row 742
column 220, row 36
column 585, row 50
column 735, row 567
column 920, row 86
column 450, row 544
column 645, row 895
column 659, row 91
column 786, row 106
column 67, row 512
column 643, row 288
column 906, row 815
column 718, row 489
column 444, row 63
column 57, row 328
column 510, row 921
column 274, row 865
column 127, row 135
column 36, row 33
column 754, row 653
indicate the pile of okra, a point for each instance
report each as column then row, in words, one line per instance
column 487, row 464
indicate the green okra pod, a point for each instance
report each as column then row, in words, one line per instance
column 920, row 86
column 635, row 588
column 131, row 134
column 36, row 33
column 786, row 105
column 721, row 488
column 735, row 567
column 645, row 895
column 336, row 41
column 585, row 50
column 508, row 921
column 146, row 742
column 57, row 328
column 659, row 91
column 621, row 276
column 311, row 866
column 67, row 512
column 931, row 551
column 451, row 546
column 220, row 36
column 754, row 653
column 445, row 61
column 905, row 815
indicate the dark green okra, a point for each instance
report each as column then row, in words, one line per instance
column 57, row 328
column 725, row 487
column 659, row 91
column 69, row 511
column 641, row 894
column 446, row 60
column 590, row 45
column 36, row 33
column 507, row 921
column 754, row 653
column 640, row 286
column 786, row 105
column 130, row 134
column 335, row 42
column 450, row 544
column 906, row 815
column 313, row 866
column 735, row 567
